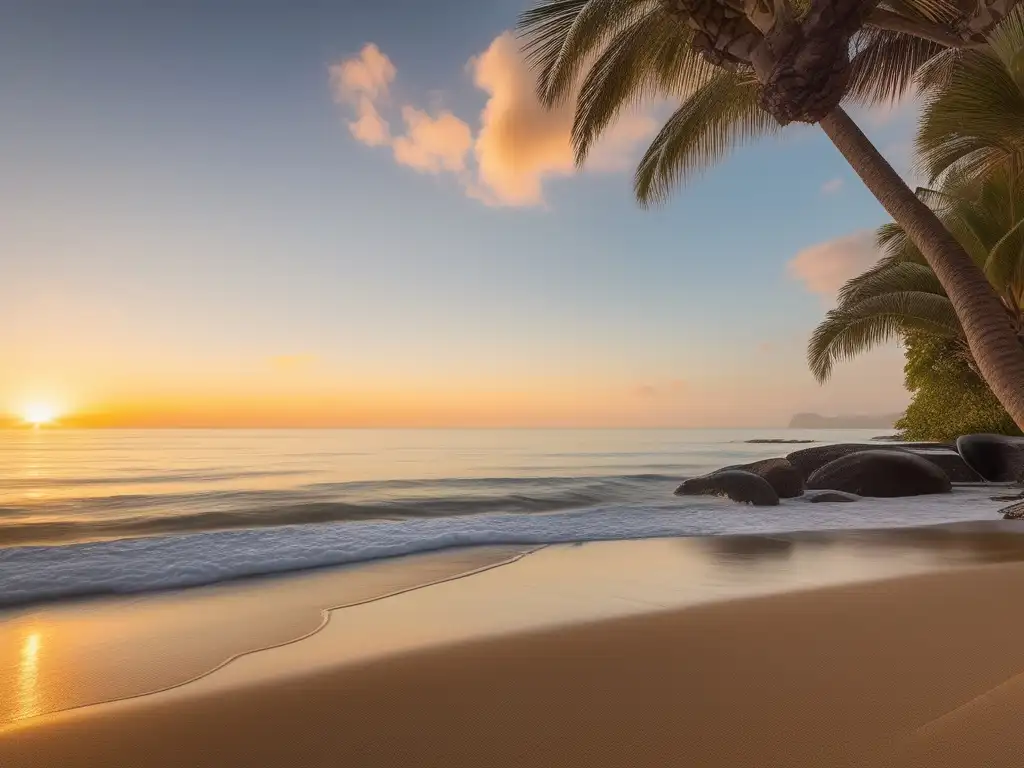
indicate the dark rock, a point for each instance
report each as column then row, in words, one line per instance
column 881, row 473
column 1014, row 511
column 822, row 496
column 780, row 474
column 775, row 441
column 997, row 458
column 809, row 460
column 734, row 483
column 956, row 469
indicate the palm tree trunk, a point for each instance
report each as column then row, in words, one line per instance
column 991, row 337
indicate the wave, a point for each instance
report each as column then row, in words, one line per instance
column 126, row 515
column 131, row 565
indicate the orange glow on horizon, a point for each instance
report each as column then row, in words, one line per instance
column 38, row 413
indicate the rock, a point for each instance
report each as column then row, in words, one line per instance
column 776, row 441
column 881, row 473
column 997, row 458
column 734, row 483
column 809, row 460
column 780, row 474
column 1013, row 512
column 828, row 496
column 953, row 464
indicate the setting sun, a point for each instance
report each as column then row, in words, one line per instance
column 39, row 413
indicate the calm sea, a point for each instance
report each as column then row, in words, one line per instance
column 87, row 512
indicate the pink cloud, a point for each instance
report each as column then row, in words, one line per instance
column 433, row 144
column 370, row 128
column 823, row 268
column 369, row 74
column 519, row 145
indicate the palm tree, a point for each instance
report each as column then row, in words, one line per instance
column 973, row 123
column 798, row 64
column 901, row 296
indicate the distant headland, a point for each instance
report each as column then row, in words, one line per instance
column 817, row 421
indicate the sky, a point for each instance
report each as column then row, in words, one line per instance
column 335, row 214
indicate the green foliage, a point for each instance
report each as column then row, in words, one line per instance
column 949, row 397
column 901, row 294
column 973, row 118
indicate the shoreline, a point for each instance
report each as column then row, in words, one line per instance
column 231, row 633
column 35, row 575
column 912, row 670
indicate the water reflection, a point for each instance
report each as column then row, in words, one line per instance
column 28, row 677
column 729, row 549
column 937, row 545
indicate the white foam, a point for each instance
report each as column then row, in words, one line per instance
column 138, row 565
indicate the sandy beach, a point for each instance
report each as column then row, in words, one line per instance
column 917, row 669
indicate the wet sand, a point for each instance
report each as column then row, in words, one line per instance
column 625, row 663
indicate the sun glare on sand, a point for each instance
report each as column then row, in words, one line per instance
column 38, row 414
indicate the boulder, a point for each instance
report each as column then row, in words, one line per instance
column 953, row 464
column 735, row 483
column 997, row 458
column 809, row 460
column 881, row 473
column 1013, row 512
column 780, row 474
column 828, row 496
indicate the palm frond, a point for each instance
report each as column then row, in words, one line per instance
column 885, row 64
column 889, row 278
column 563, row 35
column 974, row 124
column 1007, row 40
column 892, row 240
column 652, row 57
column 850, row 331
column 1005, row 263
column 721, row 114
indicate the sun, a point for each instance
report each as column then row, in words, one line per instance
column 38, row 414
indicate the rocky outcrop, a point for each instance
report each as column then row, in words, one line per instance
column 953, row 464
column 736, row 484
column 809, row 460
column 1013, row 512
column 997, row 458
column 817, row 497
column 780, row 474
column 881, row 473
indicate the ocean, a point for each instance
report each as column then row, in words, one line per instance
column 110, row 511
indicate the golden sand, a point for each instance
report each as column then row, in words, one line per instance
column 918, row 670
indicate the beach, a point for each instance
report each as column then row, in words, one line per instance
column 866, row 648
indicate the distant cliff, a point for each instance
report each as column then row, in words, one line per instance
column 817, row 421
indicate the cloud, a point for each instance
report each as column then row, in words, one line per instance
column 371, row 129
column 823, row 268
column 369, row 74
column 518, row 146
column 433, row 144
column 362, row 81
column 832, row 186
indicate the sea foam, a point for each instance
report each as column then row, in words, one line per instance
column 132, row 565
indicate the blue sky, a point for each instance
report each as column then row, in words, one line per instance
column 185, row 207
